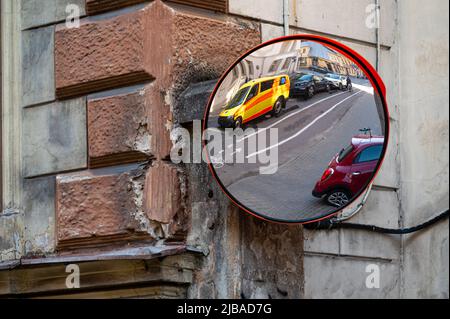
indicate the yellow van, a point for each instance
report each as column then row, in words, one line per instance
column 254, row 99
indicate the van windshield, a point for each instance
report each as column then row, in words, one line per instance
column 238, row 98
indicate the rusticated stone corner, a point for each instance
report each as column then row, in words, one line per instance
column 102, row 207
column 157, row 42
column 160, row 114
column 164, row 49
column 163, row 192
column 194, row 48
column 118, row 129
column 100, row 55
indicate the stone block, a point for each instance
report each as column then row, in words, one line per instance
column 54, row 137
column 267, row 10
column 108, row 53
column 39, row 215
column 345, row 278
column 118, row 130
column 37, row 13
column 11, row 228
column 270, row 31
column 348, row 18
column 163, row 192
column 272, row 259
column 100, row 55
column 101, row 207
column 38, row 75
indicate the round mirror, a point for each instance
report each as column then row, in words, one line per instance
column 296, row 129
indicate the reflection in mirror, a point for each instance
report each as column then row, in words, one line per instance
column 301, row 131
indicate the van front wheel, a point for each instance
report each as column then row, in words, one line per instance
column 277, row 107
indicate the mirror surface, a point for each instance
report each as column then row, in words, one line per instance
column 295, row 131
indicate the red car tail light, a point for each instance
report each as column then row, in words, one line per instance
column 327, row 174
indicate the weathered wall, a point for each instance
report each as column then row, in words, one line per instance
column 424, row 101
column 244, row 256
column 98, row 103
column 413, row 183
column 73, row 149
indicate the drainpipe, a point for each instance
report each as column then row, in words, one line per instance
column 286, row 16
column 377, row 34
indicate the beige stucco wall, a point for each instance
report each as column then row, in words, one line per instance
column 413, row 183
column 424, row 101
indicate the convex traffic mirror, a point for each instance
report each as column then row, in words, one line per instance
column 297, row 129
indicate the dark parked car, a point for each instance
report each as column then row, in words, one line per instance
column 350, row 170
column 309, row 84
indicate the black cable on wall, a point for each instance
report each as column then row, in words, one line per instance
column 329, row 224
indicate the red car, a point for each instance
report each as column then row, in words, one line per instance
column 350, row 170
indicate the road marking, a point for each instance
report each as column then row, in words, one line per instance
column 303, row 129
column 288, row 116
column 364, row 88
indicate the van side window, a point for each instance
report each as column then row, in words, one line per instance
column 283, row 81
column 253, row 92
column 266, row 85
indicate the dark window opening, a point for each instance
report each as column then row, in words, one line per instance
column 266, row 85
column 287, row 63
column 274, row 65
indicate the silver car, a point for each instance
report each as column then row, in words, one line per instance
column 337, row 81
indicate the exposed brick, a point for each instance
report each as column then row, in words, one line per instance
column 100, row 207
